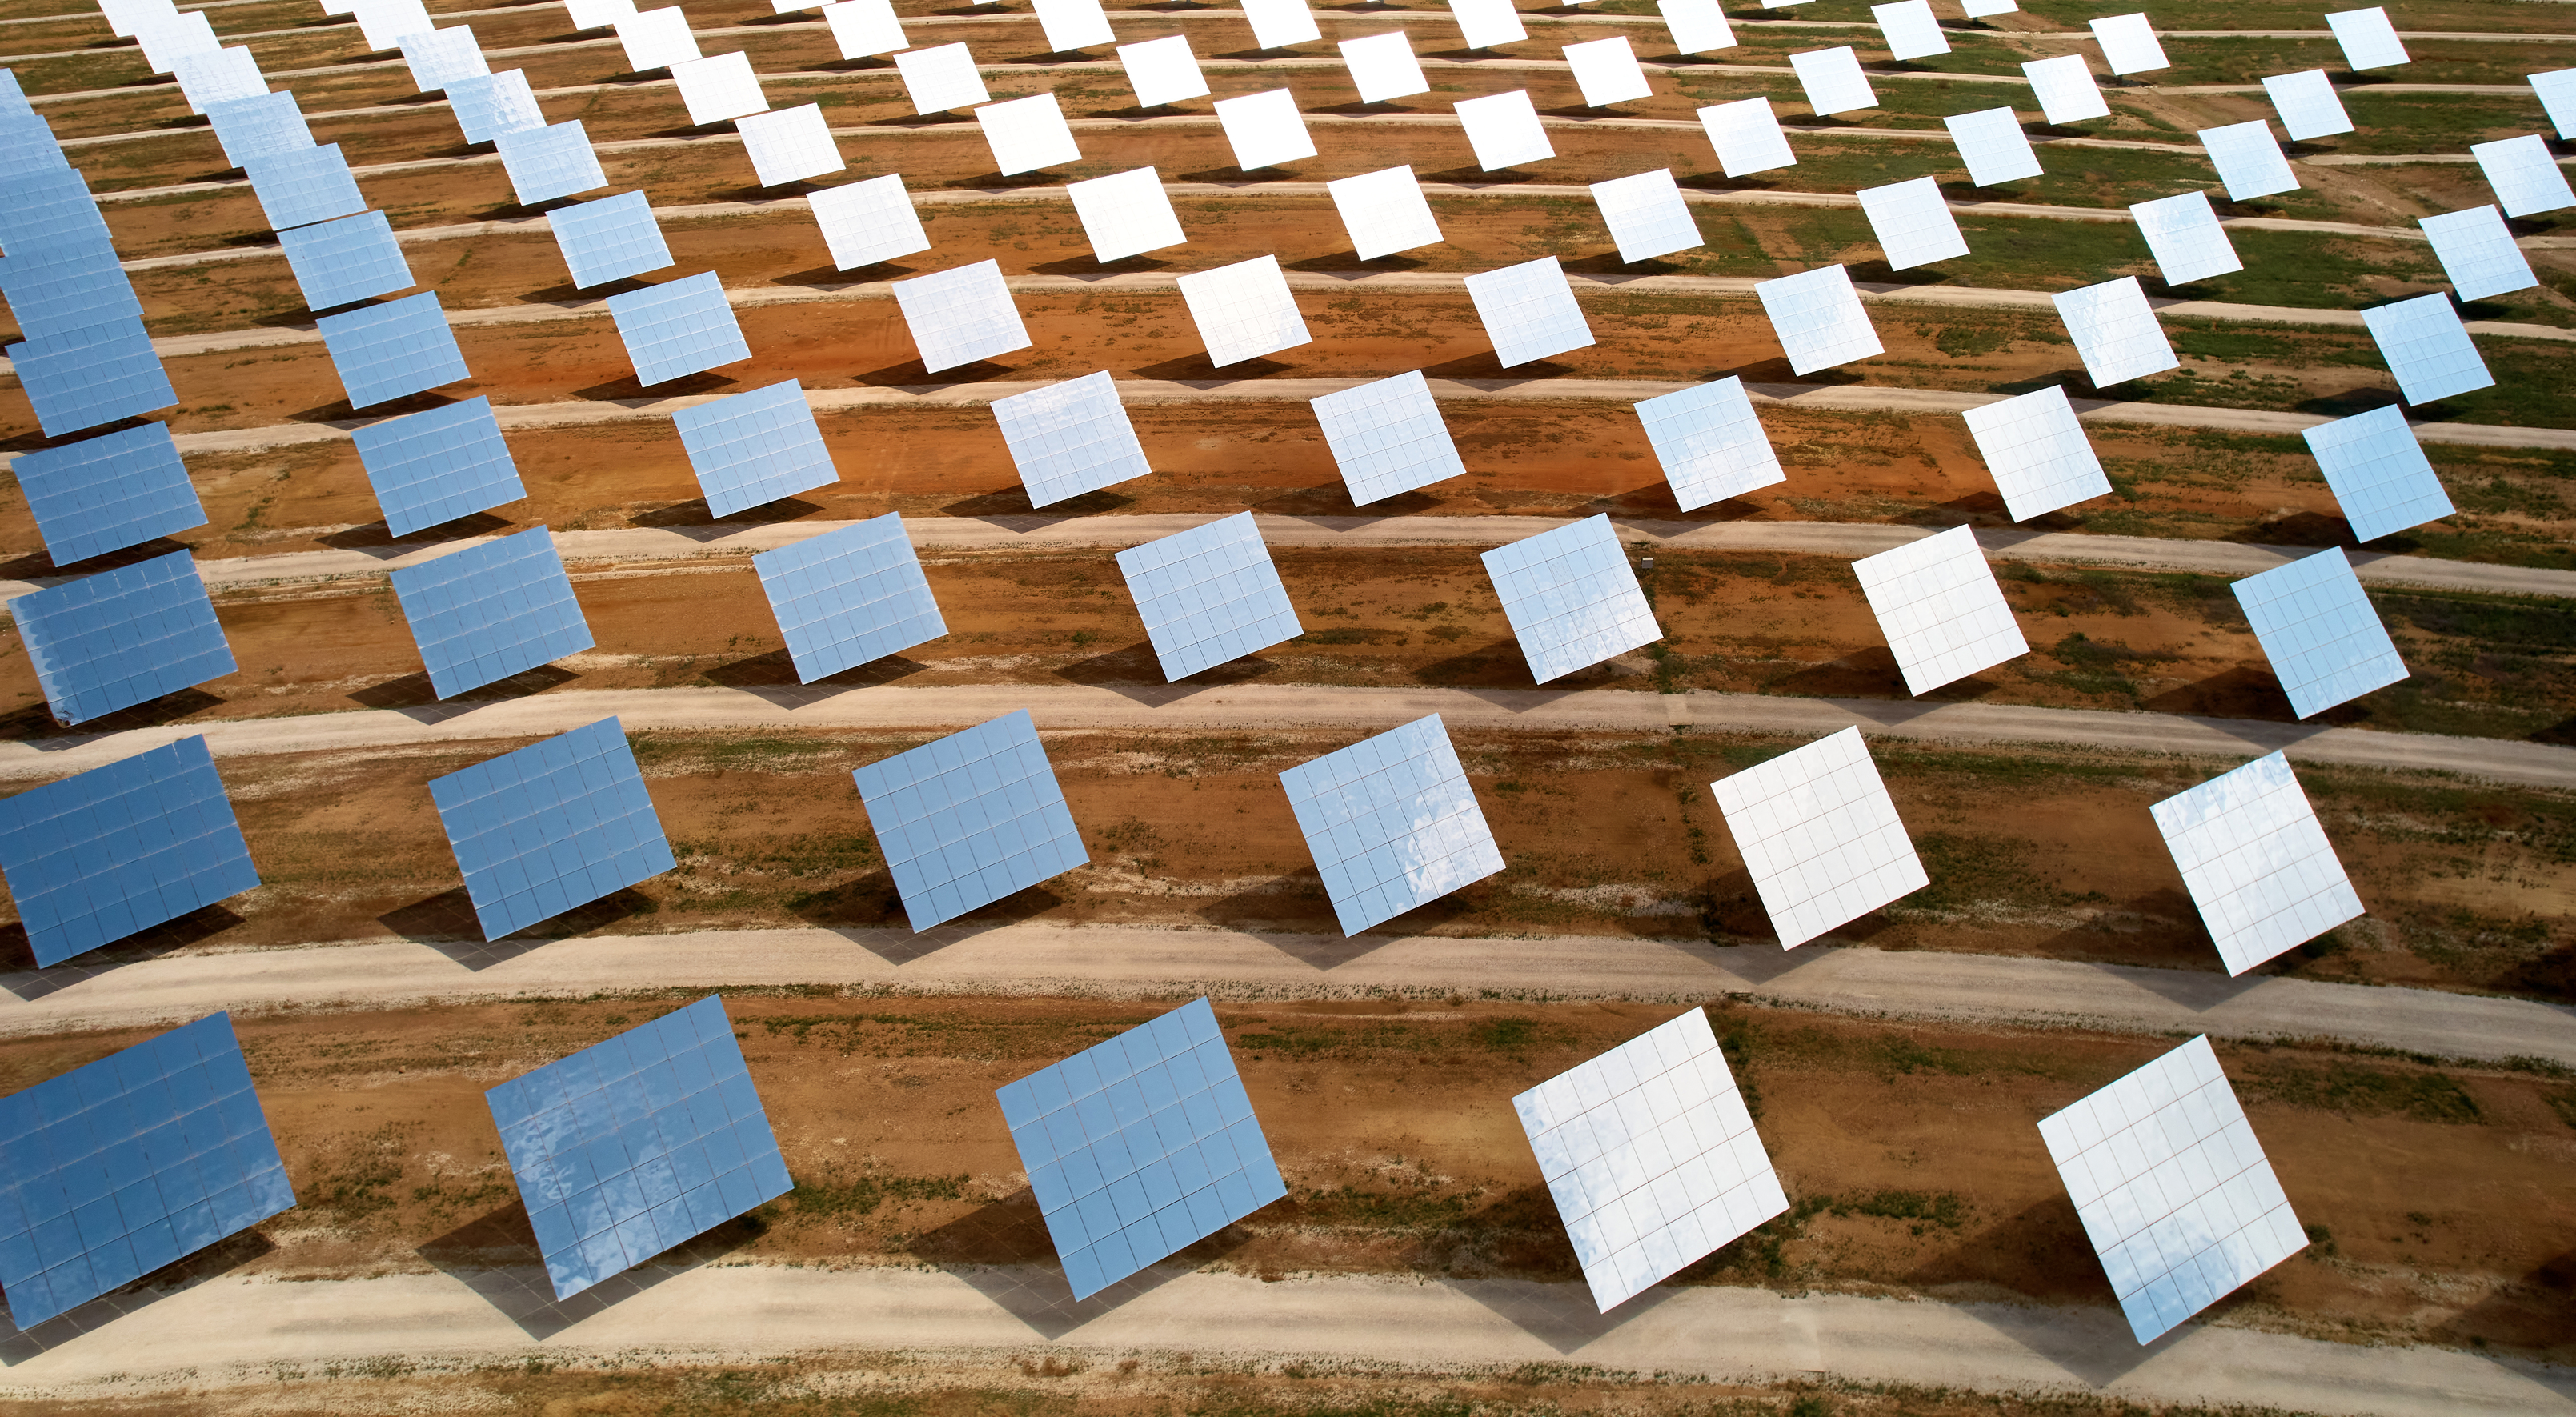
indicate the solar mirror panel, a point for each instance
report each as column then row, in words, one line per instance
column 258, row 125
column 489, row 105
column 1646, row 215
column 1264, row 129
column 1979, row 9
column 2065, row 89
column 82, row 378
column 755, row 447
column 1069, row 438
column 122, row 637
column 1696, row 26
column 598, row 14
column 1276, row 24
column 1992, row 146
column 2525, row 176
column 2374, row 466
column 554, row 825
column 1710, row 443
column 2172, row 1187
column 2556, row 90
column 2115, row 331
column 2248, row 160
column 679, row 327
column 1746, row 136
column 106, row 493
column 1833, row 80
column 1529, row 311
column 1937, row 602
column 2038, row 453
column 390, row 350
column 1208, row 596
column 2129, row 44
column 1651, row 1157
column 2257, row 864
column 1384, row 212
column 550, row 162
column 117, row 1168
column 1483, row 24
column 1125, row 214
column 1162, row 71
column 1819, row 835
column 29, row 144
column 102, row 854
column 59, row 290
column 1026, row 134
column 125, row 16
column 1391, row 823
column 1571, row 598
column 636, row 1144
column 1243, row 311
column 1383, row 67
column 440, row 57
column 1819, row 319
column 382, row 24
column 1910, row 29
column 216, row 75
column 719, row 87
column 2326, row 644
column 1073, row 24
column 2368, row 40
column 1387, row 437
column 2427, row 348
column 656, row 39
column 849, row 597
column 304, row 186
column 608, row 239
column 2478, row 253
column 2307, row 104
column 868, row 221
column 970, row 818
column 2184, row 236
column 432, row 467
column 1606, row 72
column 961, row 315
column 1140, row 1146
column 1912, row 222
column 865, row 29
column 1503, row 130
column 166, row 37
column 348, row 259
column 51, row 207
column 491, row 610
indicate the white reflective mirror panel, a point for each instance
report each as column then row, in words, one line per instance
column 1571, row 597
column 1651, row 1157
column 789, row 144
column 383, row 23
column 494, row 104
column 1070, row 438
column 1243, row 310
column 2172, row 1187
column 1912, row 222
column 1276, row 24
column 1529, row 311
column 1979, row 9
column 940, row 78
column 549, row 162
column 2248, row 160
column 2317, row 626
column 2427, row 348
column 1818, row 317
column 440, row 57
column 719, row 87
column 1264, row 129
column 1697, row 26
column 868, row 221
column 1391, row 822
column 1606, row 71
column 962, row 315
column 1646, row 215
column 2525, row 176
column 219, row 74
column 2065, row 89
column 2307, row 104
column 1482, row 24
column 598, row 14
column 1820, row 836
column 1746, row 136
column 2257, row 864
column 1992, row 146
column 1026, row 134
column 656, row 39
column 1125, row 214
column 2129, row 44
column 1208, row 596
column 2557, row 91
column 864, row 29
column 1910, row 28
column 165, row 38
column 2369, row 41
column 1710, row 443
column 1387, row 437
column 1383, row 67
column 2378, row 472
column 1162, row 71
column 1504, row 130
column 1833, row 80
column 1073, row 24
column 1384, row 212
column 2478, row 253
column 2038, row 453
column 2115, row 330
column 2184, row 236
column 1937, row 602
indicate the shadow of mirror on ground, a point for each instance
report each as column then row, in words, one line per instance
column 496, row 1256
column 1562, row 1316
column 1003, row 1252
column 18, row 1345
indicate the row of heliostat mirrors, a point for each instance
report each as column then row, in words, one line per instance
column 970, row 818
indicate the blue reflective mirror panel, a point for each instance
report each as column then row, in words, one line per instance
column 102, row 854
column 551, row 826
column 969, row 818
